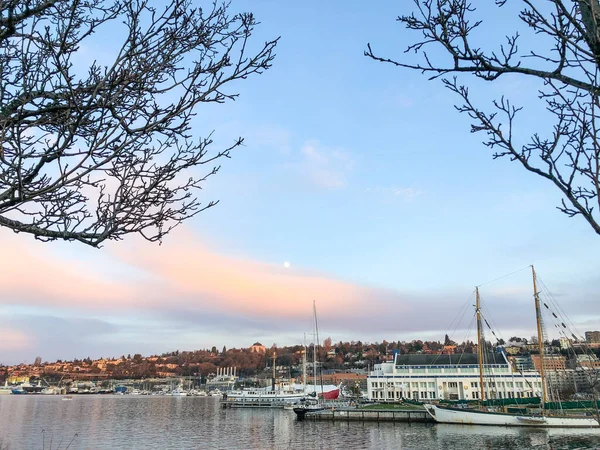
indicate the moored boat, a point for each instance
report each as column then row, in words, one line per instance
column 541, row 418
column 306, row 406
column 450, row 415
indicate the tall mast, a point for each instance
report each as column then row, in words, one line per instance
column 538, row 317
column 479, row 342
column 316, row 345
column 274, row 374
column 304, row 363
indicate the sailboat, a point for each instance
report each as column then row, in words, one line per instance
column 451, row 415
column 312, row 404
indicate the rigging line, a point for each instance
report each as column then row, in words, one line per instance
column 493, row 326
column 458, row 318
column 570, row 327
column 504, row 276
column 459, row 315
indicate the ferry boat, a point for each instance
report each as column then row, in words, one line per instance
column 264, row 397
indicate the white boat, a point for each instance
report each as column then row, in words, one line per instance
column 50, row 390
column 6, row 389
column 326, row 391
column 179, row 392
column 543, row 419
column 442, row 414
column 281, row 395
column 276, row 397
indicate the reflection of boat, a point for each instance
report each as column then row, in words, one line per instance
column 67, row 397
column 453, row 415
column 448, row 435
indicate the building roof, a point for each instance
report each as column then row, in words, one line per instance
column 447, row 359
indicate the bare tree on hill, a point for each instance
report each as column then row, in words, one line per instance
column 568, row 153
column 93, row 153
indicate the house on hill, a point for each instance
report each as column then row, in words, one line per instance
column 257, row 347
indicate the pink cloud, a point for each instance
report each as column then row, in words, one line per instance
column 182, row 274
column 187, row 268
column 36, row 273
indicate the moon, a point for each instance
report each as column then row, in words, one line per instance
column 286, row 264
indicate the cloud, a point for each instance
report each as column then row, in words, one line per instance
column 136, row 297
column 324, row 166
column 33, row 273
column 394, row 192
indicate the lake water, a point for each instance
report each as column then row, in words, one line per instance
column 134, row 422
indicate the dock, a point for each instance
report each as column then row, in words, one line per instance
column 370, row 415
column 251, row 404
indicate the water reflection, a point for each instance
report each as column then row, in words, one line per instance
column 115, row 422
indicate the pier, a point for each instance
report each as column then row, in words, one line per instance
column 369, row 415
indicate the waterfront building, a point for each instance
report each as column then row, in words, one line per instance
column 565, row 343
column 224, row 380
column 449, row 377
column 552, row 363
column 585, row 360
column 521, row 362
column 592, row 337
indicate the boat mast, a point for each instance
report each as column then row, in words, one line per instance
column 538, row 317
column 304, row 363
column 316, row 348
column 479, row 342
column 274, row 374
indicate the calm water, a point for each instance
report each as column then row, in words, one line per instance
column 132, row 422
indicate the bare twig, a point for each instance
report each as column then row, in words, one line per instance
column 94, row 157
column 570, row 156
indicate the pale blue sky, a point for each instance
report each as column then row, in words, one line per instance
column 352, row 171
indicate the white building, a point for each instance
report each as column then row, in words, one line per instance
column 449, row 377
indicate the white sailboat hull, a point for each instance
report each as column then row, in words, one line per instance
column 473, row 417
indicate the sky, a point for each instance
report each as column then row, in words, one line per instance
column 358, row 187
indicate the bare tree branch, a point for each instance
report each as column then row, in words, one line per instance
column 91, row 156
column 570, row 156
